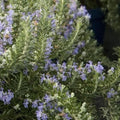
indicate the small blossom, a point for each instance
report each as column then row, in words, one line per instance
column 26, row 103
column 67, row 117
column 35, row 104
column 35, row 67
column 76, row 51
column 82, row 11
column 47, row 98
column 111, row 93
column 83, row 76
column 68, row 31
column 73, row 6
column 6, row 96
column 111, row 71
column 48, row 47
column 99, row 68
column 25, row 72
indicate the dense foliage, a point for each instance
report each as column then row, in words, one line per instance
column 50, row 65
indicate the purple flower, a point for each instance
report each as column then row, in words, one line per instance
column 88, row 66
column 54, row 66
column 40, row 107
column 59, row 109
column 67, row 117
column 83, row 76
column 38, row 114
column 49, row 105
column 68, row 31
column 6, row 96
column 44, row 116
column 42, row 78
column 35, row 67
column 71, row 22
column 54, row 79
column 47, row 98
column 81, row 44
column 82, row 11
column 75, row 67
column 64, row 65
column 87, row 16
column 11, row 12
column 73, row 6
column 53, row 23
column 111, row 93
column 64, row 78
column 99, row 68
column 68, row 94
column 35, row 104
column 9, row 17
column 75, row 51
column 47, row 64
column 48, row 47
column 26, row 103
column 25, row 72
column 102, row 77
column 112, row 69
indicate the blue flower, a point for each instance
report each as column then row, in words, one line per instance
column 68, row 31
column 6, row 96
column 35, row 67
column 25, row 72
column 44, row 116
column 99, row 68
column 35, row 104
column 83, row 76
column 73, row 6
column 47, row 98
column 64, row 65
column 53, row 24
column 67, row 117
column 102, row 77
column 49, row 105
column 82, row 11
column 71, row 22
column 111, row 93
column 48, row 47
column 75, row 51
column 40, row 113
column 64, row 77
column 26, row 103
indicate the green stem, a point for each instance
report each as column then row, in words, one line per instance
column 20, row 82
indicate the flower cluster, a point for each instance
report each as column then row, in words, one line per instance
column 50, row 102
column 6, row 29
column 6, row 97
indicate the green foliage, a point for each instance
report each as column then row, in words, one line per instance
column 50, row 61
column 112, row 13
